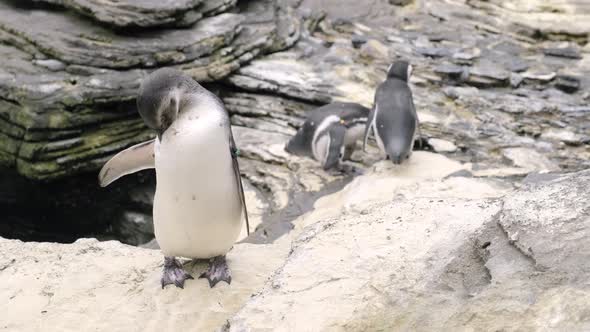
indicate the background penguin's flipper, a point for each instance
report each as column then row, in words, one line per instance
column 336, row 146
column 234, row 154
column 368, row 126
column 131, row 160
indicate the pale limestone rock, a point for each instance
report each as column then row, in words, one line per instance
column 435, row 263
column 374, row 49
column 529, row 159
column 441, row 145
column 107, row 286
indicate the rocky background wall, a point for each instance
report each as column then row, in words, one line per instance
column 487, row 228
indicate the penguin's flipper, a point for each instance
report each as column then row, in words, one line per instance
column 131, row 160
column 369, row 125
column 234, row 154
column 336, row 143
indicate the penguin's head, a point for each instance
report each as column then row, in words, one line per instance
column 300, row 144
column 160, row 96
column 401, row 70
column 297, row 144
column 398, row 152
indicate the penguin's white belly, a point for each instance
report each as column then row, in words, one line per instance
column 197, row 208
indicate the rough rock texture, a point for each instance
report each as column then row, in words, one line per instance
column 508, row 104
column 77, row 41
column 436, row 263
column 547, row 222
column 145, row 13
column 91, row 285
column 426, row 249
column 552, row 19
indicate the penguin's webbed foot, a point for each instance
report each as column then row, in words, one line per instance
column 174, row 273
column 217, row 271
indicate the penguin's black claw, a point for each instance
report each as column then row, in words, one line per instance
column 218, row 271
column 174, row 273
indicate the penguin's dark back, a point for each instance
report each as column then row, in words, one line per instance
column 396, row 108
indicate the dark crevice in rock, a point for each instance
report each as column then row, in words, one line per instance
column 278, row 223
column 66, row 210
column 9, row 100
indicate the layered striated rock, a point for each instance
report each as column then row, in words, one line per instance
column 553, row 19
column 546, row 79
column 76, row 41
column 68, row 86
column 145, row 13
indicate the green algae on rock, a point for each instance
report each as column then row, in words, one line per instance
column 68, row 87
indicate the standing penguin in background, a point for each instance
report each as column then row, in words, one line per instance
column 393, row 118
column 199, row 197
column 329, row 134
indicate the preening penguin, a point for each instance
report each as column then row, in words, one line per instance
column 393, row 118
column 329, row 134
column 199, row 198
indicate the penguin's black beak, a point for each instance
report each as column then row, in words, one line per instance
column 294, row 146
column 397, row 160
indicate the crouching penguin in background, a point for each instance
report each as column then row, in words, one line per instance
column 330, row 133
